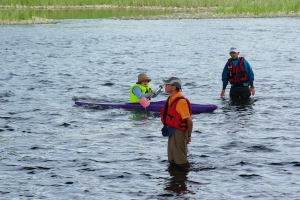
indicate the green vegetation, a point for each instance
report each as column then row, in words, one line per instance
column 261, row 7
column 156, row 3
column 240, row 6
column 16, row 14
column 96, row 14
column 23, row 9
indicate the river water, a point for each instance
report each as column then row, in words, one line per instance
column 52, row 149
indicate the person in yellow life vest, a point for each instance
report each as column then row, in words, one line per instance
column 178, row 124
column 141, row 89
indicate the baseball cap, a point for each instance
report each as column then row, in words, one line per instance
column 173, row 81
column 233, row 49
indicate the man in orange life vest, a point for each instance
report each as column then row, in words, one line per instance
column 176, row 117
column 240, row 75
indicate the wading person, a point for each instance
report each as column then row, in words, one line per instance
column 178, row 124
column 141, row 89
column 239, row 74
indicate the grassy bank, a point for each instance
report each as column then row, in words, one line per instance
column 22, row 9
column 16, row 14
column 232, row 6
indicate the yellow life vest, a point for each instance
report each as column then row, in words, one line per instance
column 145, row 90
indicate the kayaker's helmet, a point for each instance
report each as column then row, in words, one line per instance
column 143, row 77
column 174, row 81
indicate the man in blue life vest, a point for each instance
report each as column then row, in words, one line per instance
column 176, row 117
column 141, row 89
column 239, row 74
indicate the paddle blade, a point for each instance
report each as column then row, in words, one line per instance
column 144, row 102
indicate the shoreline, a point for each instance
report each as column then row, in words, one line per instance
column 179, row 13
column 33, row 20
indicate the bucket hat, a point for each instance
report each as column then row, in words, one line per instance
column 143, row 77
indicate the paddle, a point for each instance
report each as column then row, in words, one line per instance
column 159, row 89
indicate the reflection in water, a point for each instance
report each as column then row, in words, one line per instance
column 241, row 102
column 178, row 179
column 140, row 115
column 238, row 105
column 239, row 113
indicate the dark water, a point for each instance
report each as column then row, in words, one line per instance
column 52, row 149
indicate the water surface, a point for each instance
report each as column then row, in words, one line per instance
column 53, row 149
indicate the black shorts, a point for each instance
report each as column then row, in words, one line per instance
column 239, row 92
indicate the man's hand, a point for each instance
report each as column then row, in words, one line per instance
column 222, row 94
column 252, row 90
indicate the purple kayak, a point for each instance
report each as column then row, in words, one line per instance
column 154, row 106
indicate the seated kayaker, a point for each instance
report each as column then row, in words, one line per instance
column 141, row 89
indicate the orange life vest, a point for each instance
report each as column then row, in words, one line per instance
column 171, row 118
